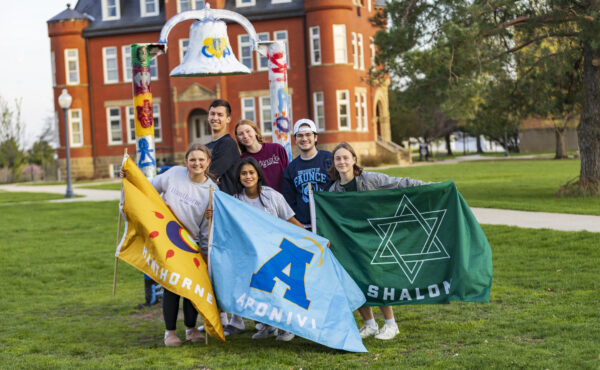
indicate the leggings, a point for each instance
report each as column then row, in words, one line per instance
column 171, row 309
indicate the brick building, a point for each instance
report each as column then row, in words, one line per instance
column 330, row 50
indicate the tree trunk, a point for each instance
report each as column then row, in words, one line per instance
column 479, row 148
column 560, row 133
column 448, row 148
column 588, row 130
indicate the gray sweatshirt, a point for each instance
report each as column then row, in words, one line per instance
column 377, row 181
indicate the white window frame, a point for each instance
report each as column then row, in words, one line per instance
column 109, row 120
column 179, row 10
column 319, row 103
column 53, row 64
column 157, row 123
column 358, row 110
column 361, row 51
column 262, row 36
column 365, row 115
column 369, row 5
column 240, row 4
column 280, row 1
column 340, row 44
column 262, row 108
column 183, row 49
column 106, row 16
column 372, row 47
column 313, row 50
column 72, row 142
column 69, row 59
column 277, row 36
column 355, row 50
column 248, row 110
column 144, row 12
column 241, row 56
column 343, row 102
column 126, row 62
column 130, row 117
column 154, row 69
column 105, row 62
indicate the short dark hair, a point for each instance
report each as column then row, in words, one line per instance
column 221, row 103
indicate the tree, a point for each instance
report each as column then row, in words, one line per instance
column 42, row 152
column 11, row 133
column 480, row 40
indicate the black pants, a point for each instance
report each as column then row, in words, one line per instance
column 171, row 308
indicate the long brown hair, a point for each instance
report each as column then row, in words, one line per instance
column 254, row 127
column 203, row 148
column 335, row 175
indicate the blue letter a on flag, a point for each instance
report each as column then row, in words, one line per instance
column 289, row 255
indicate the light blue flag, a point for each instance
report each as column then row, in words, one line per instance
column 269, row 270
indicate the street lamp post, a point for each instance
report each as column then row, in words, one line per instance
column 64, row 100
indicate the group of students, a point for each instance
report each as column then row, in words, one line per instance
column 258, row 173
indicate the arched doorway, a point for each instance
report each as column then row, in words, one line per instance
column 198, row 127
column 378, row 112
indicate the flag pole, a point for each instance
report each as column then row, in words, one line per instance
column 311, row 207
column 210, row 207
column 118, row 237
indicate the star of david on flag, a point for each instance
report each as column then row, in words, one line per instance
column 417, row 245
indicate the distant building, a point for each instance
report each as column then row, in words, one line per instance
column 538, row 135
column 330, row 45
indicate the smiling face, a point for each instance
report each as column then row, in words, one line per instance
column 249, row 177
column 306, row 141
column 344, row 162
column 246, row 135
column 197, row 163
column 218, row 120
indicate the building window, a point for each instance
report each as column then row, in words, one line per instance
column 262, row 63
column 111, row 69
column 369, row 5
column 266, row 124
column 53, row 63
column 75, row 127
column 355, row 50
column 113, row 118
column 153, row 69
column 183, row 5
column 242, row 3
column 319, row 110
column 157, row 126
column 358, row 110
column 340, row 51
column 248, row 109
column 361, row 52
column 72, row 66
column 283, row 37
column 126, row 63
column 149, row 8
column 372, row 47
column 130, row 117
column 363, row 106
column 111, row 10
column 183, row 46
column 343, row 109
column 245, row 50
column 315, row 45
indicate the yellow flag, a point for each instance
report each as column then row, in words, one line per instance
column 157, row 244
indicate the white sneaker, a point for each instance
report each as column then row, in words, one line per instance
column 387, row 332
column 266, row 332
column 285, row 336
column 368, row 331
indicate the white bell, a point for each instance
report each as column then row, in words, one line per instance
column 209, row 52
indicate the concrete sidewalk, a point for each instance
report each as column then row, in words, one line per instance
column 532, row 220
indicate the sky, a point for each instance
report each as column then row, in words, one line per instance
column 25, row 71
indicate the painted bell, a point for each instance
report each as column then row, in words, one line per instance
column 209, row 52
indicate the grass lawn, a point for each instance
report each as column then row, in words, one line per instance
column 109, row 186
column 14, row 197
column 528, row 185
column 59, row 312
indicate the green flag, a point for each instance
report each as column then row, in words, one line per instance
column 418, row 245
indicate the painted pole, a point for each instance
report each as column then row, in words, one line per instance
column 280, row 99
column 141, row 55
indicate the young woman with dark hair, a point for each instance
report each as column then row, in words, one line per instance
column 253, row 191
